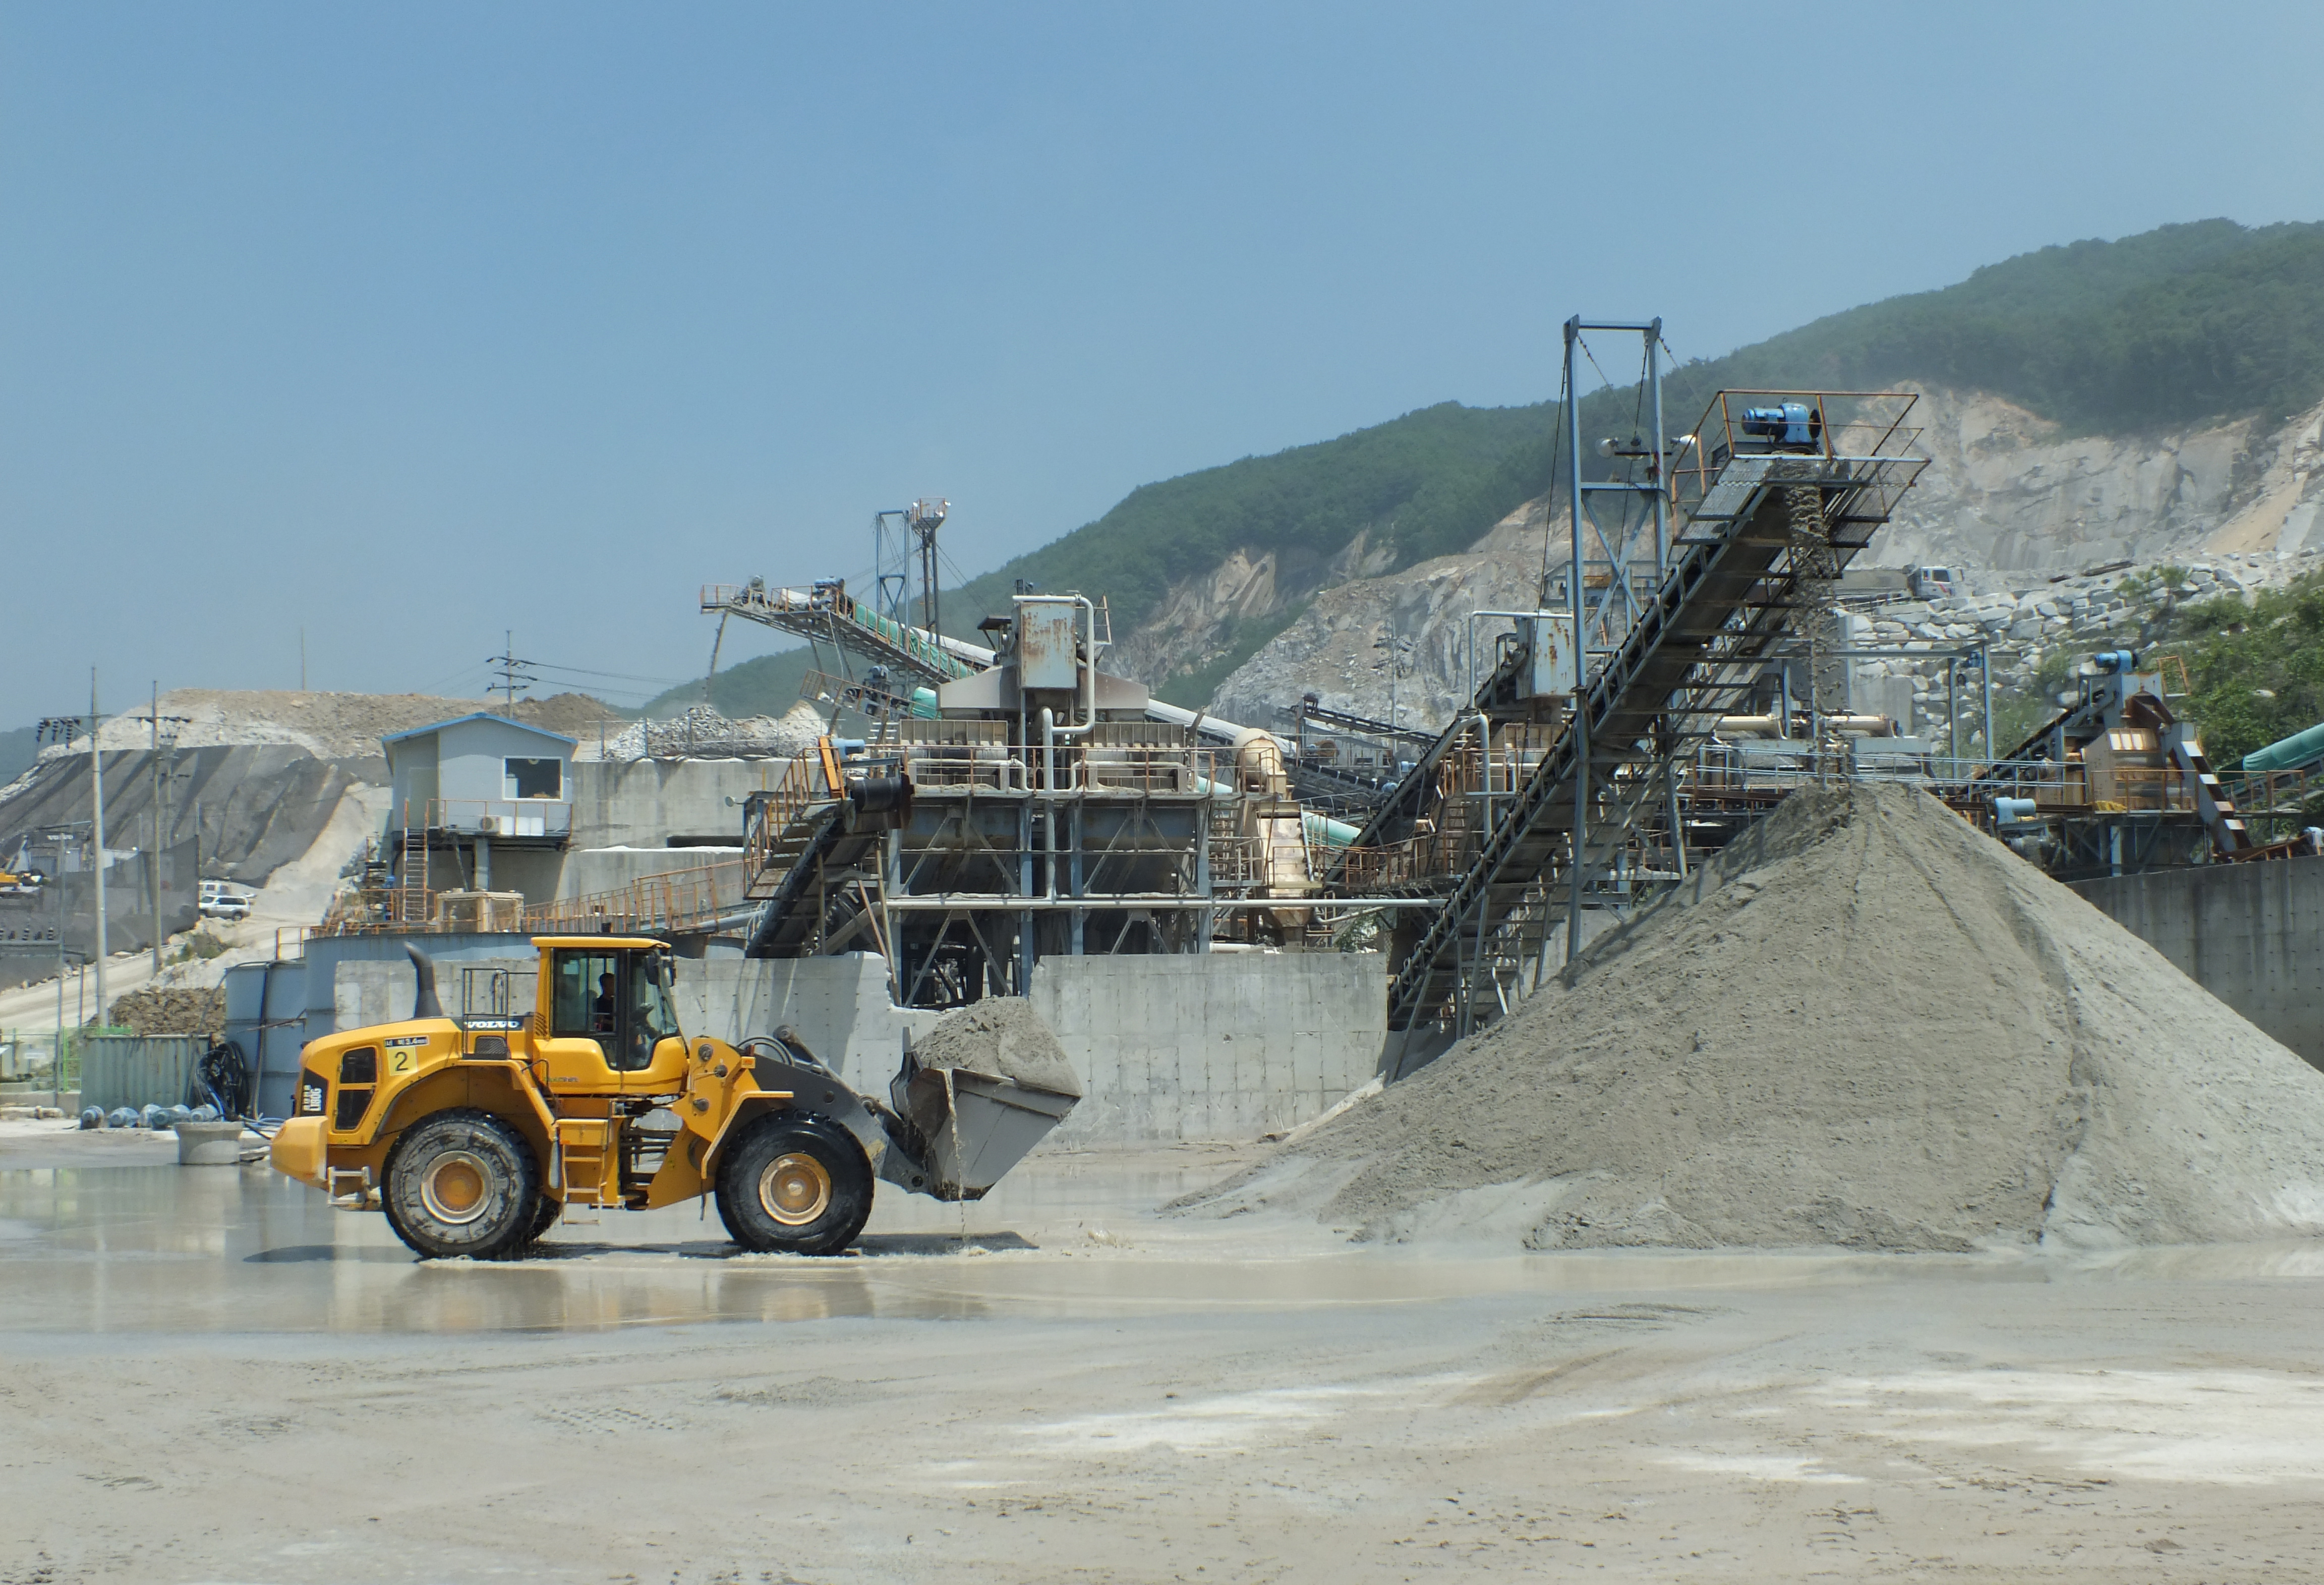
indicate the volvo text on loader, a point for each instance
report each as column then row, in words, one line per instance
column 472, row 1133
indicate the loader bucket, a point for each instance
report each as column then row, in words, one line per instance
column 975, row 1125
column 980, row 1091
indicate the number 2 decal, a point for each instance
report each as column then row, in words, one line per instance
column 401, row 1063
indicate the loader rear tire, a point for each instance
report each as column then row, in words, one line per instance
column 794, row 1183
column 462, row 1182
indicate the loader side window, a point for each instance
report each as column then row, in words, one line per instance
column 619, row 999
column 588, row 996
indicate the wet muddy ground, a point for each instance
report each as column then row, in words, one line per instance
column 209, row 1376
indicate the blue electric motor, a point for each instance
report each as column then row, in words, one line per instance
column 1793, row 427
column 2113, row 661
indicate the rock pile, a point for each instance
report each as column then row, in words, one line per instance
column 2023, row 624
column 161, row 1010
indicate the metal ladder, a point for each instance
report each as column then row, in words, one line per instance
column 411, row 873
column 578, row 1165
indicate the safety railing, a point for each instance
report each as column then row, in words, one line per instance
column 953, row 767
column 804, row 783
column 2072, row 786
column 2277, row 794
column 674, row 901
column 997, row 765
column 493, row 817
column 1837, row 427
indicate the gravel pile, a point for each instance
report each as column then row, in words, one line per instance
column 1864, row 1024
column 1003, row 1036
column 163, row 1011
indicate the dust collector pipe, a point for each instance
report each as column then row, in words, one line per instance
column 1089, row 672
column 1049, row 792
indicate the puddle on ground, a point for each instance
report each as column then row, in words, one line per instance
column 132, row 1248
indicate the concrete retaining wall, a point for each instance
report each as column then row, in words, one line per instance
column 2251, row 934
column 614, row 801
column 1224, row 1046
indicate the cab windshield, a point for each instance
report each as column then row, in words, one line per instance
column 656, row 1013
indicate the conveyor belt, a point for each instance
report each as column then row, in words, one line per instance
column 1690, row 656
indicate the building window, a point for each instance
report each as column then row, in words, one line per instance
column 535, row 778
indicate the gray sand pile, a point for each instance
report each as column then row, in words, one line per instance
column 1003, row 1036
column 1864, row 1024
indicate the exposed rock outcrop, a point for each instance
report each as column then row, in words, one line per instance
column 2008, row 497
column 2007, row 490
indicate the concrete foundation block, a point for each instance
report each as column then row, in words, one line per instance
column 209, row 1145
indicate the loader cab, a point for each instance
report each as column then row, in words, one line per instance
column 612, row 1022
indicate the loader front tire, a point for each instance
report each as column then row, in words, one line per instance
column 794, row 1183
column 462, row 1182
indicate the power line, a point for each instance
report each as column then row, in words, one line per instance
column 516, row 675
column 619, row 676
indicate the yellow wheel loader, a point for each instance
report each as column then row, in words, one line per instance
column 472, row 1134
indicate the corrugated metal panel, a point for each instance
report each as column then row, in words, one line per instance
column 266, row 1016
column 135, row 1070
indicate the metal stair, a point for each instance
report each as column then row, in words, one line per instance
column 797, row 839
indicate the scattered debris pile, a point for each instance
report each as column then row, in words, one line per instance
column 1864, row 1024
column 159, row 1010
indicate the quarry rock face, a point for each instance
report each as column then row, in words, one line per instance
column 1342, row 648
column 2009, row 498
column 1864, row 1024
column 2008, row 490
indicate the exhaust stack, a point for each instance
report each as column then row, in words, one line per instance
column 424, row 1003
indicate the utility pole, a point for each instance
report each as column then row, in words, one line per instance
column 57, row 1063
column 515, row 676
column 160, row 816
column 96, row 816
column 153, row 858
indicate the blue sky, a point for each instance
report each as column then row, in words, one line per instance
column 409, row 324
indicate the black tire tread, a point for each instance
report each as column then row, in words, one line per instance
column 526, row 1190
column 851, row 1185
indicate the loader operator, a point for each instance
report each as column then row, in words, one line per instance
column 607, row 1006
